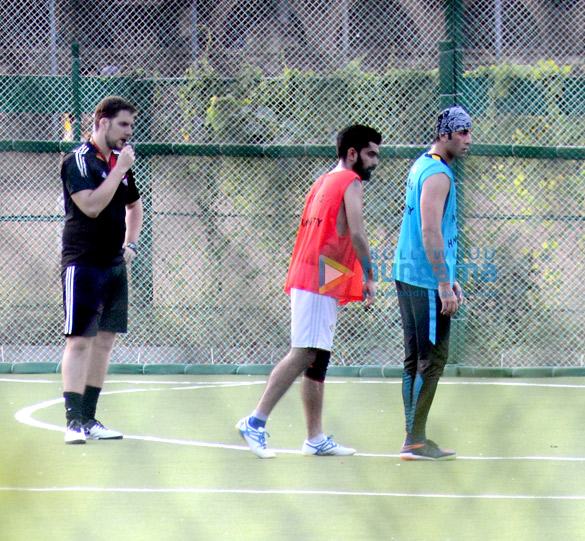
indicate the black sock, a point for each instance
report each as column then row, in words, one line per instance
column 89, row 403
column 72, row 406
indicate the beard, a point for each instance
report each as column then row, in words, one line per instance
column 359, row 168
column 113, row 144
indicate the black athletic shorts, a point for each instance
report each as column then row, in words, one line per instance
column 95, row 299
column 426, row 330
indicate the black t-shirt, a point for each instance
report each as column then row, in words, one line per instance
column 96, row 242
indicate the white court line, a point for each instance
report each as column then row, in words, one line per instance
column 286, row 492
column 142, row 382
column 515, row 384
column 26, row 416
column 497, row 383
column 11, row 380
column 550, row 458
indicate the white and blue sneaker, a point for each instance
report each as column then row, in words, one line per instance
column 74, row 434
column 255, row 438
column 94, row 430
column 327, row 447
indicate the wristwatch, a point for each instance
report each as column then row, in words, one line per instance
column 132, row 246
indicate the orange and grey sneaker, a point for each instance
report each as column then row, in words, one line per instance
column 428, row 450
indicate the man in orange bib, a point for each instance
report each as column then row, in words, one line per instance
column 325, row 271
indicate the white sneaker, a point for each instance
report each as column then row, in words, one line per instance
column 255, row 438
column 94, row 430
column 74, row 434
column 326, row 448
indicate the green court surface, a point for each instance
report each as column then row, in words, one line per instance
column 182, row 473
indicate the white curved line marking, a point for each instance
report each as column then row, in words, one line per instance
column 25, row 416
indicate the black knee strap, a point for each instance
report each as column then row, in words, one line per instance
column 318, row 369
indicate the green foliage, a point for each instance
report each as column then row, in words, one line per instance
column 526, row 105
column 199, row 86
column 530, row 213
column 506, row 76
column 303, row 108
column 539, row 104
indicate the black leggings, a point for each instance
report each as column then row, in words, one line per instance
column 426, row 349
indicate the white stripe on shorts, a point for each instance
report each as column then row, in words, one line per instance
column 313, row 319
column 69, row 280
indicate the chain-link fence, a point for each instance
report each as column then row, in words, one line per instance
column 240, row 102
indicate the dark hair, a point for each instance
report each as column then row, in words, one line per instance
column 109, row 107
column 357, row 137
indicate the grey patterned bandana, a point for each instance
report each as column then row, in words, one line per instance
column 453, row 119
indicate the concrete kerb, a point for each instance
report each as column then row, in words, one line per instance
column 368, row 371
column 35, row 367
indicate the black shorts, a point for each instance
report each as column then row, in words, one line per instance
column 426, row 330
column 95, row 299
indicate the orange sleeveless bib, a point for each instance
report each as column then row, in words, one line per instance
column 322, row 261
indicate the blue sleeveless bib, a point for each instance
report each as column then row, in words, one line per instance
column 411, row 264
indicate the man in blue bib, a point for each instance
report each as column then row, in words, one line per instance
column 424, row 271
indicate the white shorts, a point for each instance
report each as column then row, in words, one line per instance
column 313, row 319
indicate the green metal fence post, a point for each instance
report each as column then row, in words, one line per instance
column 450, row 75
column 447, row 90
column 141, row 94
column 76, row 91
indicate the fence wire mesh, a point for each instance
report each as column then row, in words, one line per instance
column 263, row 87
